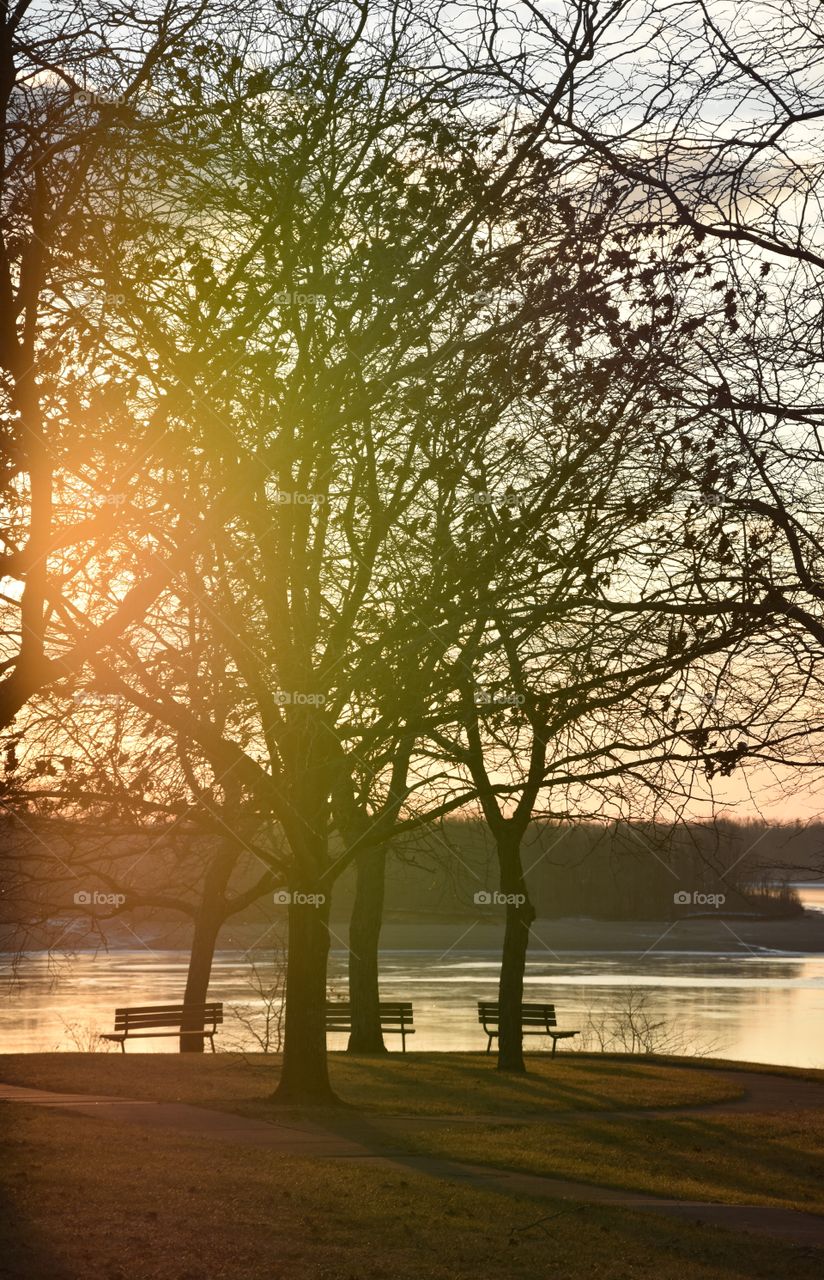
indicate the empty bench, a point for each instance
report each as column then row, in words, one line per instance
column 395, row 1015
column 536, row 1020
column 166, row 1020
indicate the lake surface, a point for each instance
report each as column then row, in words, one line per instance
column 760, row 1008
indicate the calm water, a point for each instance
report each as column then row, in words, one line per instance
column 766, row 1008
column 761, row 1007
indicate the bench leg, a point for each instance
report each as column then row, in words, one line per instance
column 123, row 1045
column 554, row 1045
column 212, row 1039
column 489, row 1043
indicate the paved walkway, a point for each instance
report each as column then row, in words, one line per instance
column 368, row 1139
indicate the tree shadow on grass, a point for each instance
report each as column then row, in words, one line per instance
column 725, row 1159
column 470, row 1082
column 24, row 1252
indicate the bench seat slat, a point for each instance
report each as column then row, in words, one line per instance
column 156, row 1035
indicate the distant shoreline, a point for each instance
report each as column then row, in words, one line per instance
column 699, row 935
column 801, row 935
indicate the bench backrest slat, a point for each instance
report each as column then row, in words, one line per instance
column 170, row 1008
column 392, row 1012
column 167, row 1015
column 388, row 1005
column 532, row 1015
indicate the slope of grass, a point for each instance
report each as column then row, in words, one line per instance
column 412, row 1084
column 769, row 1159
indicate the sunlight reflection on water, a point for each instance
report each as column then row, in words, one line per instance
column 767, row 1008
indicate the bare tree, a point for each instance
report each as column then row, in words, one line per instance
column 77, row 96
column 359, row 206
column 713, row 114
column 414, row 440
column 115, row 822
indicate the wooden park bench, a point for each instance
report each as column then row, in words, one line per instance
column 536, row 1020
column 166, row 1020
column 396, row 1017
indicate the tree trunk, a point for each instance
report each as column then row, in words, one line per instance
column 208, row 922
column 519, row 916
column 364, row 939
column 304, row 1076
column 207, row 927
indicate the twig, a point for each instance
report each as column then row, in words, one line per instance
column 515, row 1232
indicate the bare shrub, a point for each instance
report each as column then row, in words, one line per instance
column 261, row 1020
column 633, row 1027
column 86, row 1037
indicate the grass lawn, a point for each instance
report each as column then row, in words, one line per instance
column 88, row 1199
column 738, row 1159
column 409, row 1084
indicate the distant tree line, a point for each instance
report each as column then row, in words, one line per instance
column 609, row 871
